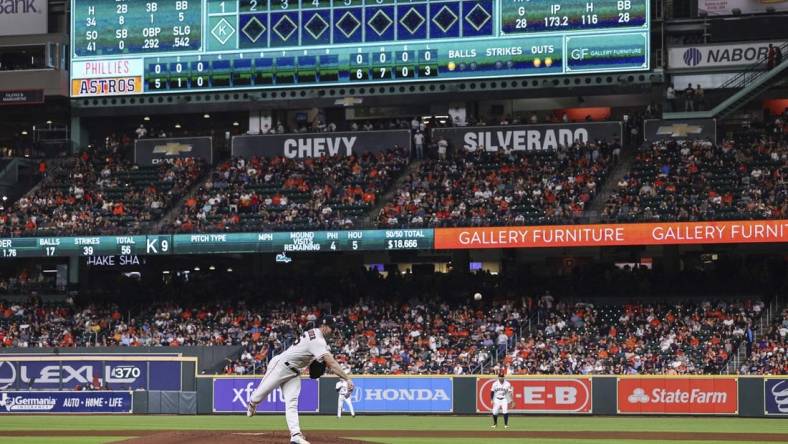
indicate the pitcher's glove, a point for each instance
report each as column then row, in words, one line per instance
column 317, row 369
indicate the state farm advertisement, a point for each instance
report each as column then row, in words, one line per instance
column 605, row 235
column 554, row 395
column 692, row 396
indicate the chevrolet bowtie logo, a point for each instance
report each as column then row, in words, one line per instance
column 679, row 130
column 172, row 149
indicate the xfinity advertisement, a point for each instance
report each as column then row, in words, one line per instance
column 231, row 395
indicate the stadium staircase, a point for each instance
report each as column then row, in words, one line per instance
column 771, row 314
column 177, row 207
column 748, row 85
column 610, row 187
column 371, row 218
column 18, row 176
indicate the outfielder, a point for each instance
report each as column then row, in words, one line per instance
column 501, row 395
column 284, row 371
column 344, row 398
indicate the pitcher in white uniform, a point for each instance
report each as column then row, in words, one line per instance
column 284, row 371
column 344, row 396
column 501, row 395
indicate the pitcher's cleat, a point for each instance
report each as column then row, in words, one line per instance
column 251, row 409
column 298, row 439
column 506, row 426
column 493, row 426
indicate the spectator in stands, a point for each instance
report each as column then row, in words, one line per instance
column 689, row 98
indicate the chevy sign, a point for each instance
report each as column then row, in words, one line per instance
column 736, row 55
column 403, row 395
column 23, row 17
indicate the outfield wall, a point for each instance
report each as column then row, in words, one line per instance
column 171, row 384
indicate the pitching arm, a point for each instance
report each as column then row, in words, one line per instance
column 337, row 370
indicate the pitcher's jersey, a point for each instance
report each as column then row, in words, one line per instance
column 503, row 391
column 310, row 346
column 342, row 387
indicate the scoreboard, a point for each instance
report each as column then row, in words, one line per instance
column 126, row 47
column 216, row 243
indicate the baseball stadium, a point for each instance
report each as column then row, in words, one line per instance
column 393, row 221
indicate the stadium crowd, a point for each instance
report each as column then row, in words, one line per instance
column 406, row 324
column 697, row 180
column 766, row 354
column 276, row 192
column 482, row 188
column 99, row 192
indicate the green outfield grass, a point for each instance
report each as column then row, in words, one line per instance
column 125, row 425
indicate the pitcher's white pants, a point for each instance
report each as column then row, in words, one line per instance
column 346, row 400
column 279, row 375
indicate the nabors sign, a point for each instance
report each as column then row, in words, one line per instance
column 570, row 395
column 696, row 396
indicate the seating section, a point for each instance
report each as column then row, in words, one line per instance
column 767, row 352
column 696, row 180
column 100, row 193
column 500, row 188
column 634, row 339
column 280, row 193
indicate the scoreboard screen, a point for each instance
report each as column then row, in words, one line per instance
column 126, row 47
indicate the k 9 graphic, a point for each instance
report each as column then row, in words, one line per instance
column 67, row 374
column 559, row 395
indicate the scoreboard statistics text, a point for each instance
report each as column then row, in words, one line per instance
column 124, row 47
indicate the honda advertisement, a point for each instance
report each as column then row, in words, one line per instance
column 156, row 151
column 65, row 402
column 562, row 395
column 703, row 129
column 231, row 395
column 686, row 396
column 70, row 374
column 527, row 137
column 775, row 397
column 303, row 146
column 403, row 395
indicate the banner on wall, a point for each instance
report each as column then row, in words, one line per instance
column 231, row 395
column 303, row 146
column 23, row 17
column 560, row 395
column 607, row 235
column 655, row 129
column 726, row 7
column 68, row 374
column 65, row 402
column 689, row 396
column 775, row 396
column 21, row 97
column 718, row 56
column 527, row 137
column 403, row 395
column 157, row 151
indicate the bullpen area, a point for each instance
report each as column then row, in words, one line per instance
column 389, row 430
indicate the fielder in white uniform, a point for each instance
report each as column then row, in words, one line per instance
column 501, row 395
column 344, row 398
column 284, row 371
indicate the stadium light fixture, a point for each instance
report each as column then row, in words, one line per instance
column 49, row 122
column 229, row 270
column 24, row 132
column 212, row 268
column 146, row 118
column 5, row 198
column 165, row 272
column 177, row 126
column 206, row 116
column 236, row 124
column 196, row 268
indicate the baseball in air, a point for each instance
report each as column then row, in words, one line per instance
column 477, row 297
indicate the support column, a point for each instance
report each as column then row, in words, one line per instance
column 260, row 121
column 79, row 135
column 73, row 270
